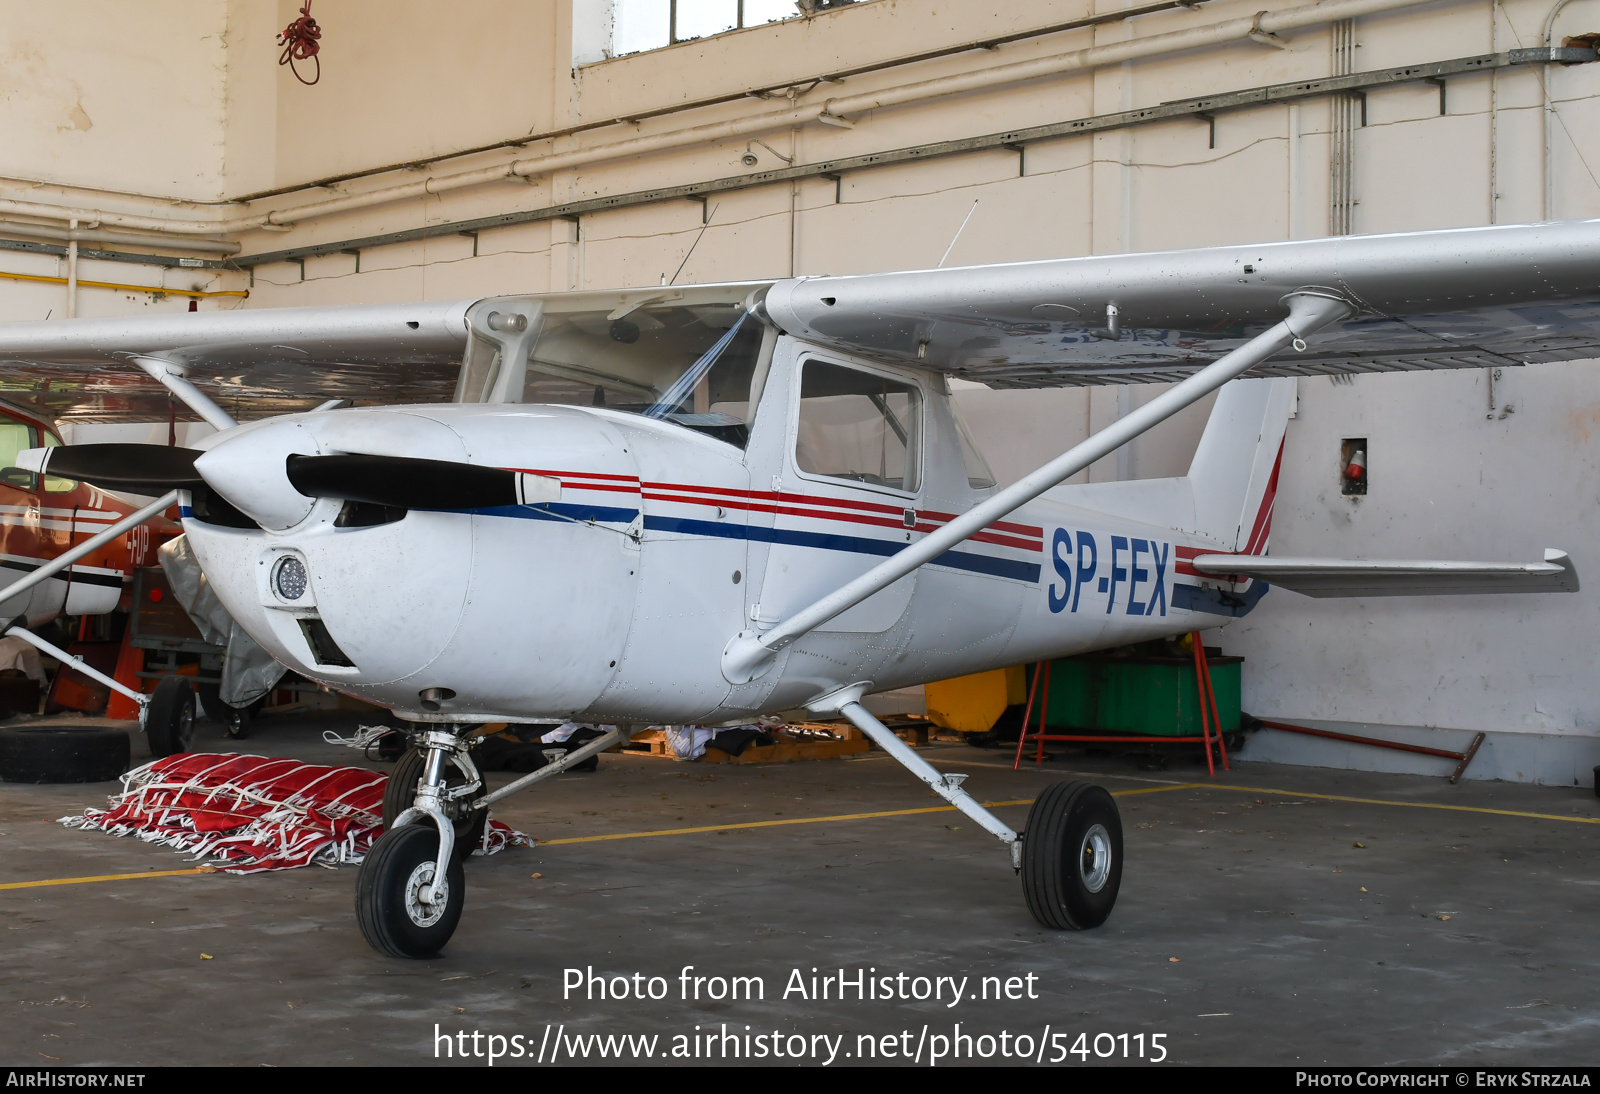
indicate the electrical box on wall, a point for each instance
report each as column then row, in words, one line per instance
column 1353, row 466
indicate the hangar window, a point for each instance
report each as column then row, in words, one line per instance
column 858, row 425
column 640, row 25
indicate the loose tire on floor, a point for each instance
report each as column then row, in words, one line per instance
column 401, row 791
column 62, row 754
column 1072, row 856
column 389, row 908
column 169, row 718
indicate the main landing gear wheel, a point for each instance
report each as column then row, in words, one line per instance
column 391, row 908
column 401, row 791
column 169, row 717
column 1072, row 856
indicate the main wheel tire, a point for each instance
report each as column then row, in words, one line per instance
column 401, row 791
column 62, row 754
column 1072, row 856
column 169, row 717
column 389, row 906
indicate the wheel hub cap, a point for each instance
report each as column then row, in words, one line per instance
column 1094, row 858
column 418, row 911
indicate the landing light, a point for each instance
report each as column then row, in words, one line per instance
column 289, row 578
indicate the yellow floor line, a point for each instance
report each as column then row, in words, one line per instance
column 1115, row 793
column 770, row 823
column 106, row 877
column 897, row 813
column 1407, row 805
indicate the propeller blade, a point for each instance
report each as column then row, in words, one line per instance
column 404, row 483
column 139, row 468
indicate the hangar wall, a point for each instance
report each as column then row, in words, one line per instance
column 194, row 122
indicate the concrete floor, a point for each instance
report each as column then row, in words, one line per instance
column 1255, row 926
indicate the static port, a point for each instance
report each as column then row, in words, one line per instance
column 1353, row 466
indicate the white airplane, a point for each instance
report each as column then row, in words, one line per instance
column 700, row 504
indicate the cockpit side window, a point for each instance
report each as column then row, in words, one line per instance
column 859, row 425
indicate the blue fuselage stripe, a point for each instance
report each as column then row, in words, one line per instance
column 860, row 545
column 558, row 510
column 957, row 560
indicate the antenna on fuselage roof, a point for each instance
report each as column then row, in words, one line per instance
column 957, row 236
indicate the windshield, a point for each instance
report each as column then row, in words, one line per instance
column 694, row 363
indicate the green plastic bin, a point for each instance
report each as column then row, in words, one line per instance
column 1149, row 695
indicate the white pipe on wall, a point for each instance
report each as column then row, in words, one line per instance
column 90, row 235
column 72, row 272
column 1242, row 28
column 1549, row 115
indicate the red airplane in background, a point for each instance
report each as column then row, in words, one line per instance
column 43, row 516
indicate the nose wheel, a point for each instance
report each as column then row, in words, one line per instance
column 400, row 794
column 402, row 911
column 411, row 888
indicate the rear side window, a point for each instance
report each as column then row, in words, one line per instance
column 860, row 426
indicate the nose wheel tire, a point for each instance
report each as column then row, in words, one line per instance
column 1072, row 856
column 401, row 791
column 169, row 717
column 391, row 890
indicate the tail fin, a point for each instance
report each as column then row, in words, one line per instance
column 1235, row 470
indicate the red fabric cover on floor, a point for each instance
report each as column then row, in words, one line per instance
column 256, row 813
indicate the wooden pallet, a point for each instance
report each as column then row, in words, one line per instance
column 848, row 741
column 652, row 743
column 851, row 743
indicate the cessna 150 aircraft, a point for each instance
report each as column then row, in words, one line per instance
column 699, row 504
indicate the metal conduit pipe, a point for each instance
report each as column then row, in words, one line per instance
column 91, row 235
column 1244, row 28
column 1548, row 116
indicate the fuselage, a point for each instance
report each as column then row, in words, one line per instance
column 615, row 602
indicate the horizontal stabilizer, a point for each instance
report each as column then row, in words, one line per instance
column 1330, row 577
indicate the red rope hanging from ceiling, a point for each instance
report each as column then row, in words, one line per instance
column 300, row 42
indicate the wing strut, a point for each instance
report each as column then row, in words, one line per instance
column 750, row 654
column 171, row 377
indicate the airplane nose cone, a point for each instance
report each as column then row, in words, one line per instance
column 248, row 471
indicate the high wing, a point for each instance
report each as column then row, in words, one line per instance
column 1462, row 298
column 1339, row 577
column 261, row 361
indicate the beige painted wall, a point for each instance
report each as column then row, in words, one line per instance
column 102, row 93
column 208, row 112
